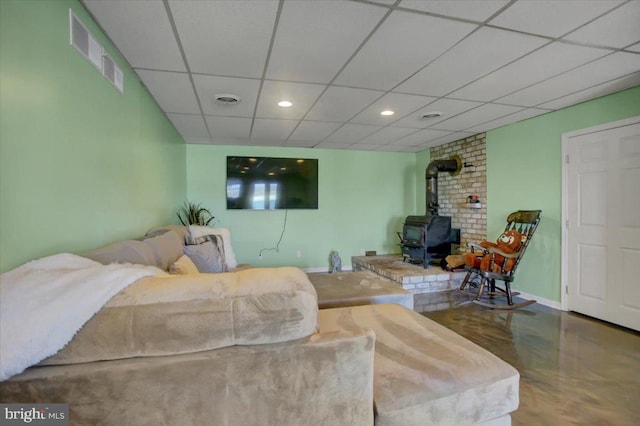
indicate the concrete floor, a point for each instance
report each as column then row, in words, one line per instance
column 574, row 370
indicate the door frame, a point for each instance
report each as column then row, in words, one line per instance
column 566, row 137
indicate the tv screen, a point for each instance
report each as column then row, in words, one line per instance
column 268, row 183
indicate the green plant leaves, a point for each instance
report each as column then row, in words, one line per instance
column 194, row 214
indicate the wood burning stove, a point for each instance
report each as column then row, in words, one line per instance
column 428, row 238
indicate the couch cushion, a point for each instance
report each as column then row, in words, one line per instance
column 425, row 373
column 182, row 231
column 191, row 313
column 128, row 251
column 324, row 379
column 160, row 251
column 166, row 248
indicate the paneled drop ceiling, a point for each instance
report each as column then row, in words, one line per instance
column 482, row 64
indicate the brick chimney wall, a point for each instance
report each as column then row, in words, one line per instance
column 453, row 191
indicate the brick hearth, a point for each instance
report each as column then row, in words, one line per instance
column 413, row 278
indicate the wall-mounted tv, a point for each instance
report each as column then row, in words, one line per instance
column 269, row 183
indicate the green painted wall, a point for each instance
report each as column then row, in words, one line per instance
column 524, row 171
column 363, row 199
column 81, row 164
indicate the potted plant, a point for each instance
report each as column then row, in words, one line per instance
column 194, row 214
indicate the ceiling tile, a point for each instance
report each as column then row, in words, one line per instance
column 341, row 103
column 366, row 147
column 511, row 118
column 609, row 87
column 173, row 91
column 305, row 51
column 384, row 2
column 551, row 17
column 386, row 135
column 413, row 149
column 313, row 131
column 333, row 145
column 399, row 48
column 350, row 133
column 466, row 9
column 141, row 31
column 618, row 28
column 266, row 142
column 597, row 72
column 448, row 108
column 209, row 86
column 476, row 116
column 421, row 137
column 556, row 57
column 485, row 50
column 229, row 127
column 267, row 128
column 225, row 37
column 451, row 137
column 400, row 103
column 449, row 65
column 195, row 140
column 300, row 143
column 189, row 125
column 302, row 95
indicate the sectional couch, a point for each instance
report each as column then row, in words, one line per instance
column 252, row 348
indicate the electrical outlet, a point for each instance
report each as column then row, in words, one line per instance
column 259, row 257
column 298, row 253
column 362, row 252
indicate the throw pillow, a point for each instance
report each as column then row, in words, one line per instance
column 206, row 253
column 183, row 266
column 201, row 231
column 167, row 248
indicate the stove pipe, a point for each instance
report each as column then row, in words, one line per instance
column 453, row 166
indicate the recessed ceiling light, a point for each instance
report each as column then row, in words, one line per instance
column 253, row 160
column 285, row 104
column 432, row 114
column 283, row 168
column 300, row 161
column 387, row 112
column 271, row 173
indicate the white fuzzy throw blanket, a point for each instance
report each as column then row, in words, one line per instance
column 44, row 303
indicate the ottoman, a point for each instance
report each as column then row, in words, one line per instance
column 357, row 288
column 425, row 374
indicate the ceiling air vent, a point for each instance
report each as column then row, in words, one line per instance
column 433, row 114
column 226, row 99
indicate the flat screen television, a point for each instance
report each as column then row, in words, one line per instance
column 269, row 183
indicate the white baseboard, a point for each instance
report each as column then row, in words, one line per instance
column 324, row 269
column 541, row 300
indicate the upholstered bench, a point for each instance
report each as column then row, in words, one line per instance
column 425, row 373
column 357, row 288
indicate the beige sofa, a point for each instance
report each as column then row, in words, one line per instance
column 252, row 348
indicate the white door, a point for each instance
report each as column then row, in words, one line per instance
column 603, row 224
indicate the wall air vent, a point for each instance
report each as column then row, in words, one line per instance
column 85, row 43
column 111, row 71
